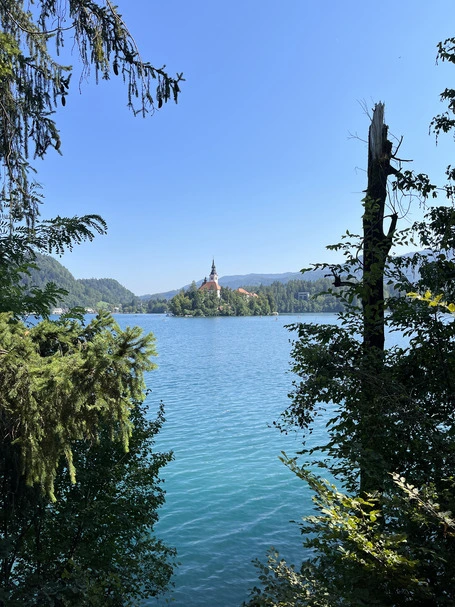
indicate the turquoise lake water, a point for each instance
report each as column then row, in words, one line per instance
column 228, row 497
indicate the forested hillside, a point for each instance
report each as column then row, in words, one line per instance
column 86, row 292
column 299, row 296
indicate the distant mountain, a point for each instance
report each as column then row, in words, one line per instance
column 86, row 292
column 164, row 295
column 251, row 280
column 255, row 280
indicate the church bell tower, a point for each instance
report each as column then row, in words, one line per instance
column 213, row 274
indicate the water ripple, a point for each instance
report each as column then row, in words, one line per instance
column 228, row 497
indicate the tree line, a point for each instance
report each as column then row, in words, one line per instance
column 195, row 302
column 295, row 296
column 300, row 296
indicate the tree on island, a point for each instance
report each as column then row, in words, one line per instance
column 80, row 485
column 387, row 538
column 195, row 302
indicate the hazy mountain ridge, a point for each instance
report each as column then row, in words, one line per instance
column 241, row 280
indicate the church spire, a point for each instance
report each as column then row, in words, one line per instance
column 212, row 283
column 213, row 274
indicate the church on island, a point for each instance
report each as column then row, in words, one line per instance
column 212, row 283
column 210, row 299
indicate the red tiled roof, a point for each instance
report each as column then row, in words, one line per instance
column 244, row 292
column 211, row 285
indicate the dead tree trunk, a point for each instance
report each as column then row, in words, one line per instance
column 376, row 247
column 376, row 243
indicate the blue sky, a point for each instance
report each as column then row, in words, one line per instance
column 255, row 165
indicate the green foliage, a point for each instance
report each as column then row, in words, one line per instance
column 79, row 475
column 33, row 81
column 45, row 270
column 362, row 559
column 207, row 303
column 157, row 306
column 391, row 420
column 300, row 296
column 409, row 426
column 32, row 84
column 95, row 545
column 85, row 292
column 79, row 478
column 295, row 296
column 106, row 289
column 18, row 257
column 413, row 393
column 60, row 381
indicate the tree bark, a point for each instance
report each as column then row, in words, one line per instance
column 376, row 247
column 376, row 243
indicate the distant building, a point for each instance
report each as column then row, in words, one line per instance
column 246, row 293
column 212, row 283
column 305, row 295
column 58, row 311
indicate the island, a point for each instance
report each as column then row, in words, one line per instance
column 211, row 299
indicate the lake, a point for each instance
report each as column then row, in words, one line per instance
column 228, row 497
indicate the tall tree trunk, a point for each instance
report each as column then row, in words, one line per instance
column 376, row 247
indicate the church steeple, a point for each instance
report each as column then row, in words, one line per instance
column 212, row 283
column 213, row 274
